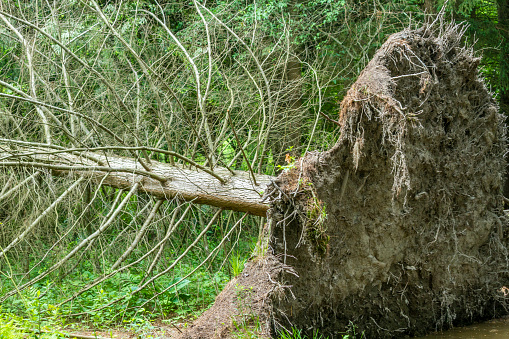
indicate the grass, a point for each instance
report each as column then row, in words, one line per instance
column 297, row 334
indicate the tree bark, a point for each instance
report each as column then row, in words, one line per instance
column 292, row 105
column 503, row 27
column 429, row 6
column 290, row 137
column 164, row 181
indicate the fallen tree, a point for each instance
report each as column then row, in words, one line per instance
column 399, row 228
column 232, row 190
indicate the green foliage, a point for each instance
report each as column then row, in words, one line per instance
column 187, row 299
column 237, row 263
column 15, row 327
column 9, row 329
column 297, row 334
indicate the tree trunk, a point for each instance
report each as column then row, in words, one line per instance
column 429, row 6
column 399, row 228
column 503, row 27
column 238, row 192
column 290, row 138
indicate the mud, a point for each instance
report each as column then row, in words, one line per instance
column 493, row 329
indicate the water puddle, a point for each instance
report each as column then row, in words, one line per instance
column 493, row 329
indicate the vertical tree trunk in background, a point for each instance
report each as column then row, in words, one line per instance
column 294, row 83
column 291, row 134
column 292, row 104
column 429, row 6
column 503, row 27
column 503, row 24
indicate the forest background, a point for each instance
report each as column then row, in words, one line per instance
column 243, row 85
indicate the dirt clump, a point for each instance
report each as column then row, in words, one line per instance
column 245, row 304
column 398, row 229
column 416, row 237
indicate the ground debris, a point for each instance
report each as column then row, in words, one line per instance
column 245, row 304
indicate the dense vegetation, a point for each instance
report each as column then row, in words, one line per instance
column 246, row 85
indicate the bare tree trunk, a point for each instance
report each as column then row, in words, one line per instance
column 503, row 23
column 236, row 192
column 503, row 26
column 429, row 6
column 293, row 129
column 293, row 91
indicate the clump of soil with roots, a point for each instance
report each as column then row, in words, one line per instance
column 399, row 228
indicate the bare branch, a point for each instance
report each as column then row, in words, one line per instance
column 40, row 217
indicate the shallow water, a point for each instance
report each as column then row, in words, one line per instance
column 493, row 329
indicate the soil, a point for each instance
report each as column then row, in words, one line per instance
column 245, row 304
column 415, row 236
column 399, row 228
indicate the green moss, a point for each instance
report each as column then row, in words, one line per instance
column 316, row 229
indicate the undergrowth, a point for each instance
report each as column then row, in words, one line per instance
column 36, row 309
column 15, row 327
